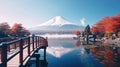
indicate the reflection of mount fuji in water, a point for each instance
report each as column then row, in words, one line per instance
column 60, row 47
column 58, row 51
column 57, row 24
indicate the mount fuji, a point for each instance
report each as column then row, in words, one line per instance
column 57, row 23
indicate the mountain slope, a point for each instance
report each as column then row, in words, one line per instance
column 57, row 23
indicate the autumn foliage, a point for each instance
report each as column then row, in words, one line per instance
column 15, row 30
column 18, row 30
column 107, row 24
column 105, row 56
column 77, row 44
column 77, row 32
column 118, row 34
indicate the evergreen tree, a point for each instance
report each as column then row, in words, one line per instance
column 87, row 32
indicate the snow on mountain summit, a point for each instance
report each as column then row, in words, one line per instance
column 56, row 21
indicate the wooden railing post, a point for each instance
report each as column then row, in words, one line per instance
column 4, row 55
column 21, row 53
column 29, row 46
column 9, row 45
column 33, row 41
column 15, row 46
column 8, row 48
column 36, row 41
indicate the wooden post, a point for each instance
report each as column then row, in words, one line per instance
column 8, row 48
column 33, row 42
column 29, row 46
column 37, row 56
column 37, row 60
column 45, row 53
column 15, row 46
column 4, row 55
column 21, row 53
column 39, row 42
column 36, row 41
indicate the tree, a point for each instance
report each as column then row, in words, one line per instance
column 77, row 32
column 77, row 44
column 87, row 32
column 19, row 31
column 4, row 29
column 116, row 25
column 107, row 25
column 99, row 27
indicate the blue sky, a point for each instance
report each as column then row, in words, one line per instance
column 34, row 12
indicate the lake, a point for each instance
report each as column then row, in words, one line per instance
column 69, row 53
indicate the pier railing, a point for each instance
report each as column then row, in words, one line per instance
column 29, row 43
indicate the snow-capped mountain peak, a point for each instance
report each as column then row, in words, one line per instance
column 56, row 21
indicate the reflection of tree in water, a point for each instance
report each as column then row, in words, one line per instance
column 87, row 50
column 106, row 56
column 77, row 43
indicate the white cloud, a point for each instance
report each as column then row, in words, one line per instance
column 82, row 21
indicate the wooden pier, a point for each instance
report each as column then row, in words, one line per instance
column 24, row 49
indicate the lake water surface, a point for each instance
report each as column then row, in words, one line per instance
column 69, row 53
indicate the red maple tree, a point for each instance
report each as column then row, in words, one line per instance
column 19, row 30
column 107, row 25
